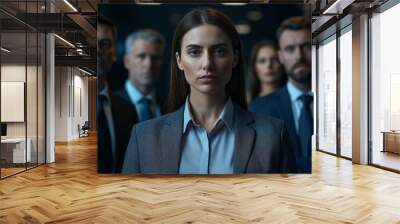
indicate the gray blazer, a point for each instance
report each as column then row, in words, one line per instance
column 261, row 145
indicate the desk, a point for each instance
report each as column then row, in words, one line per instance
column 15, row 148
column 391, row 141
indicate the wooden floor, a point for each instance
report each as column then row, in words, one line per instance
column 387, row 159
column 70, row 191
column 5, row 172
column 10, row 171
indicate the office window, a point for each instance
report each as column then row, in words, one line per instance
column 22, row 93
column 385, row 88
column 346, row 92
column 327, row 95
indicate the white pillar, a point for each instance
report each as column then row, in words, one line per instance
column 50, row 110
column 50, row 93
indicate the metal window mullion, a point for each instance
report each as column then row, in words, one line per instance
column 369, row 98
column 26, row 86
column 0, row 90
column 317, row 97
column 338, row 94
column 37, row 91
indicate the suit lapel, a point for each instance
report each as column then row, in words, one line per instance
column 287, row 114
column 171, row 143
column 124, row 94
column 244, row 139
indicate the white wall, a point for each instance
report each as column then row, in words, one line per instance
column 13, row 73
column 71, row 102
column 33, row 126
column 61, row 103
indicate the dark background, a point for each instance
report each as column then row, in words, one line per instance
column 131, row 17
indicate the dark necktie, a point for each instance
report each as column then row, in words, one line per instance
column 305, row 125
column 145, row 111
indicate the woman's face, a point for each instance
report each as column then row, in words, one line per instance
column 207, row 59
column 267, row 65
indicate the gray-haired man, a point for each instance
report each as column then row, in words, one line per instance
column 143, row 60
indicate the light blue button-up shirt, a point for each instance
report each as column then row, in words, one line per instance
column 208, row 153
column 135, row 96
column 297, row 104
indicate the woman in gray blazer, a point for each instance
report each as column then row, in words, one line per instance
column 208, row 130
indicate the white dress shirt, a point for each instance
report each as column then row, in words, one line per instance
column 135, row 96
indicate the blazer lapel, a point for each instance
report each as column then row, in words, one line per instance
column 244, row 140
column 287, row 114
column 124, row 94
column 171, row 143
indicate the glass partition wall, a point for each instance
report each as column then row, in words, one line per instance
column 22, row 78
column 334, row 94
column 345, row 93
column 327, row 95
column 385, row 89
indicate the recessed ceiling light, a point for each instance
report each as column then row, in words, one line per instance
column 141, row 2
column 243, row 28
column 254, row 15
column 235, row 4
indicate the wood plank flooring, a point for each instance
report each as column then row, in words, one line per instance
column 388, row 159
column 70, row 191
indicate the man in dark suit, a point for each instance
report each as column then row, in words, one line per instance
column 143, row 58
column 115, row 116
column 294, row 102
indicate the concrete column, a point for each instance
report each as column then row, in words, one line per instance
column 50, row 93
column 360, row 90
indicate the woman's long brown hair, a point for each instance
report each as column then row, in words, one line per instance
column 179, row 88
column 255, row 81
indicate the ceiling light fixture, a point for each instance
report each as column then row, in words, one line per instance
column 235, row 3
column 243, row 28
column 254, row 15
column 5, row 49
column 64, row 40
column 84, row 71
column 147, row 2
column 70, row 5
column 337, row 7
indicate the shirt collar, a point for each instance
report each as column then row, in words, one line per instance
column 134, row 94
column 295, row 92
column 226, row 115
column 104, row 94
